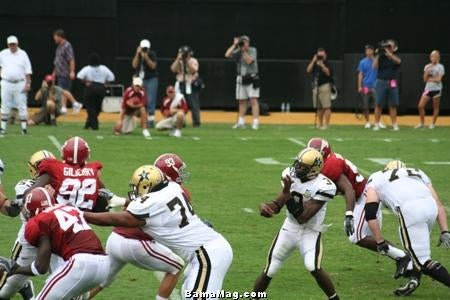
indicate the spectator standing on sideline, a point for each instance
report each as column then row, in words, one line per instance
column 174, row 109
column 15, row 72
column 94, row 76
column 321, row 91
column 64, row 66
column 432, row 76
column 386, row 86
column 247, row 80
column 186, row 66
column 134, row 102
column 366, row 81
column 51, row 97
column 144, row 63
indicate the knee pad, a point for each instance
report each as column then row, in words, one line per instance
column 273, row 267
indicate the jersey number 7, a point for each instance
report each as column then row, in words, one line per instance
column 182, row 204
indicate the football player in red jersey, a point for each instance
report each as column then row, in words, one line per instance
column 134, row 246
column 352, row 184
column 75, row 181
column 61, row 230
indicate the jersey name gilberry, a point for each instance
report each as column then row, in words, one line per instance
column 78, row 172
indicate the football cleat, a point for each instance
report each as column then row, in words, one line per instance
column 408, row 288
column 402, row 264
column 27, row 292
column 75, row 151
column 173, row 167
column 35, row 159
column 320, row 145
column 394, row 164
column 144, row 180
column 308, row 164
column 36, row 201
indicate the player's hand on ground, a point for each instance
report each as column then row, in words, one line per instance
column 383, row 247
column 268, row 209
column 287, row 182
column 349, row 224
column 444, row 239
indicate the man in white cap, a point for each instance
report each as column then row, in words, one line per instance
column 133, row 105
column 144, row 63
column 15, row 71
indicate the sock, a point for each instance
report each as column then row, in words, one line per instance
column 23, row 124
column 437, row 271
column 395, row 253
column 255, row 121
column 52, row 117
column 3, row 126
column 177, row 131
column 158, row 297
column 241, row 120
column 334, row 297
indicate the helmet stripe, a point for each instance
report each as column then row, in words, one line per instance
column 75, row 150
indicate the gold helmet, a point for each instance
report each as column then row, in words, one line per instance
column 35, row 159
column 394, row 164
column 144, row 180
column 308, row 164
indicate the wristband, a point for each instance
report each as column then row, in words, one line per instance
column 349, row 213
column 34, row 270
column 445, row 231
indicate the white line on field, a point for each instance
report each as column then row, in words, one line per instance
column 244, row 139
column 100, row 137
column 437, row 162
column 298, row 142
column 196, row 138
column 434, row 140
column 175, row 293
column 381, row 160
column 55, row 142
column 338, row 139
column 248, row 210
column 387, row 140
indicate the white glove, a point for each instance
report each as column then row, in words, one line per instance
column 116, row 201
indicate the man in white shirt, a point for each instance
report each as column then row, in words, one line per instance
column 15, row 71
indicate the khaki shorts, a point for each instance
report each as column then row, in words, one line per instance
column 42, row 116
column 168, row 123
column 245, row 92
column 324, row 96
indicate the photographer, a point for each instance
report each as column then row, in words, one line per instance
column 144, row 64
column 247, row 80
column 386, row 87
column 185, row 66
column 321, row 86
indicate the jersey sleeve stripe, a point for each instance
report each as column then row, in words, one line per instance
column 140, row 216
column 327, row 195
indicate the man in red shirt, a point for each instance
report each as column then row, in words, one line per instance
column 62, row 230
column 134, row 246
column 75, row 181
column 352, row 184
column 174, row 109
column 134, row 102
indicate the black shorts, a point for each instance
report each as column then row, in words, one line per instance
column 432, row 94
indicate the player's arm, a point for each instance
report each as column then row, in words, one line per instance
column 442, row 215
column 310, row 209
column 345, row 187
column 123, row 219
column 269, row 209
column 41, row 264
column 371, row 209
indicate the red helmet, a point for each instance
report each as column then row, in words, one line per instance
column 320, row 145
column 173, row 167
column 75, row 151
column 36, row 201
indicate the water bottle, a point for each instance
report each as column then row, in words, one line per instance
column 283, row 107
column 288, row 107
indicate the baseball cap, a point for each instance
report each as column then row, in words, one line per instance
column 145, row 43
column 369, row 46
column 12, row 39
column 48, row 77
column 245, row 37
column 137, row 81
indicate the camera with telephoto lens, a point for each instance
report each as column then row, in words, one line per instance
column 185, row 52
column 381, row 47
column 144, row 49
column 319, row 57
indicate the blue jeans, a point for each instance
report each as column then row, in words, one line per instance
column 151, row 86
column 384, row 92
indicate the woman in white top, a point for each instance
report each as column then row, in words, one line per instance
column 94, row 76
column 432, row 76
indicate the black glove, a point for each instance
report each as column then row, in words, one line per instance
column 444, row 239
column 295, row 206
column 349, row 223
column 383, row 247
column 105, row 193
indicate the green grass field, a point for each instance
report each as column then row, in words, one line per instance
column 227, row 184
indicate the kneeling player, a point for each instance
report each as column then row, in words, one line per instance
column 306, row 193
column 409, row 194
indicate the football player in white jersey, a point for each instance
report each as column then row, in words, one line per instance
column 410, row 195
column 23, row 253
column 163, row 212
column 305, row 193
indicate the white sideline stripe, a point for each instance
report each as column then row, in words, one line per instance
column 175, row 293
column 55, row 142
column 244, row 139
column 100, row 137
column 387, row 140
column 298, row 142
column 437, row 162
column 248, row 210
column 267, row 161
column 434, row 140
